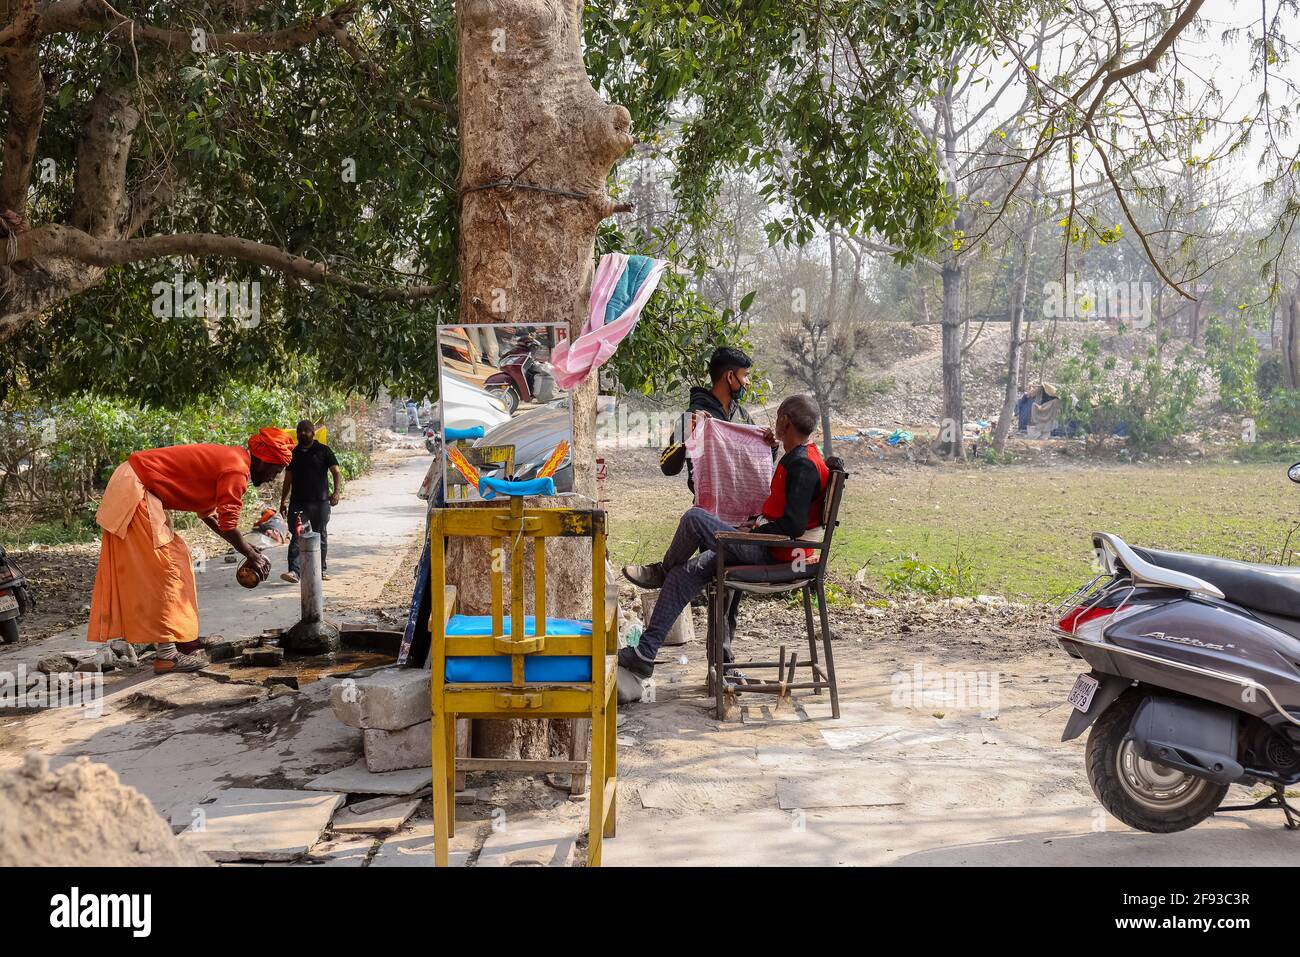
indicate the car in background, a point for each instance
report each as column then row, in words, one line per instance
column 535, row 434
column 464, row 406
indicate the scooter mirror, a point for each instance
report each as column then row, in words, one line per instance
column 1293, row 473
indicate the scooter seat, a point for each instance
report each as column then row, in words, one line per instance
column 1272, row 589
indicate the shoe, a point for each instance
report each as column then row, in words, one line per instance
column 181, row 663
column 291, row 577
column 645, row 576
column 324, row 577
column 629, row 659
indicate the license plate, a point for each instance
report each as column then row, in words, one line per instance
column 1085, row 686
column 8, row 602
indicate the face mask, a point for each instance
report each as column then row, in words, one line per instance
column 738, row 393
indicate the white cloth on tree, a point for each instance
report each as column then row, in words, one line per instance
column 732, row 467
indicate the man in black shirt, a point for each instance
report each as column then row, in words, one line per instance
column 729, row 377
column 306, row 494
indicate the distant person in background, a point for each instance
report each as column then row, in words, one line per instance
column 412, row 415
column 306, row 494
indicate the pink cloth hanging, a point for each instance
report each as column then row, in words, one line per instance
column 619, row 292
column 732, row 468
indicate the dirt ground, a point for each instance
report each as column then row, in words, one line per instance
column 947, row 749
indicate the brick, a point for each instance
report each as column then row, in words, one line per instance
column 398, row 750
column 387, row 701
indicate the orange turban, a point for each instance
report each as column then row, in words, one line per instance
column 273, row 445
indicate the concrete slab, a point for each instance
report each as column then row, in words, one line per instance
column 342, row 852
column 356, row 779
column 259, row 825
column 389, row 700
column 864, row 788
column 884, row 737
column 414, row 848
column 384, row 820
column 779, row 757
column 692, row 796
column 529, row 841
column 191, row 692
column 375, row 804
column 398, row 750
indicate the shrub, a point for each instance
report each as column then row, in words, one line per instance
column 1281, row 416
column 1268, row 375
column 1152, row 404
column 352, row 463
column 1233, row 356
column 55, row 458
column 913, row 575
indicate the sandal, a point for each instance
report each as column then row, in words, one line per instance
column 181, row 663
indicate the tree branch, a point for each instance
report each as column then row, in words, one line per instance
column 20, row 69
column 96, row 16
column 53, row 241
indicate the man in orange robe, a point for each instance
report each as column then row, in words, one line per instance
column 144, row 586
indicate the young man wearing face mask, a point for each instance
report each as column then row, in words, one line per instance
column 729, row 372
column 793, row 507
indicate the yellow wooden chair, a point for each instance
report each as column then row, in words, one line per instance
column 521, row 665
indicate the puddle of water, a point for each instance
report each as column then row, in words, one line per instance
column 302, row 671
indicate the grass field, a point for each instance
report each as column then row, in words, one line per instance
column 1017, row 531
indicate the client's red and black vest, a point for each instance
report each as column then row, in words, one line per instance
column 798, row 491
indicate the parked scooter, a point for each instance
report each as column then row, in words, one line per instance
column 523, row 375
column 15, row 598
column 1195, row 682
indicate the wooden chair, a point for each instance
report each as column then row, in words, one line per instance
column 522, row 666
column 808, row 576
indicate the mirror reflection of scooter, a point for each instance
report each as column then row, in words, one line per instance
column 523, row 375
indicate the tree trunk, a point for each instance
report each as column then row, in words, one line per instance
column 827, row 451
column 950, row 435
column 831, row 305
column 1291, row 341
column 529, row 115
column 1016, row 346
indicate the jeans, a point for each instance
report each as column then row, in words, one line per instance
column 318, row 514
column 689, row 573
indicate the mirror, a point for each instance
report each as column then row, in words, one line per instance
column 1293, row 473
column 500, row 413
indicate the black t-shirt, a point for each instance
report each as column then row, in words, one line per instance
column 310, row 470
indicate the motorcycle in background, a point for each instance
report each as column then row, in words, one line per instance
column 15, row 598
column 1194, row 683
column 523, row 375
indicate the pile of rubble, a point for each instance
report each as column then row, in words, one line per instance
column 115, row 655
column 82, row 815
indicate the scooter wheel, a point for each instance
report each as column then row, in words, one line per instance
column 9, row 631
column 508, row 396
column 1143, row 794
